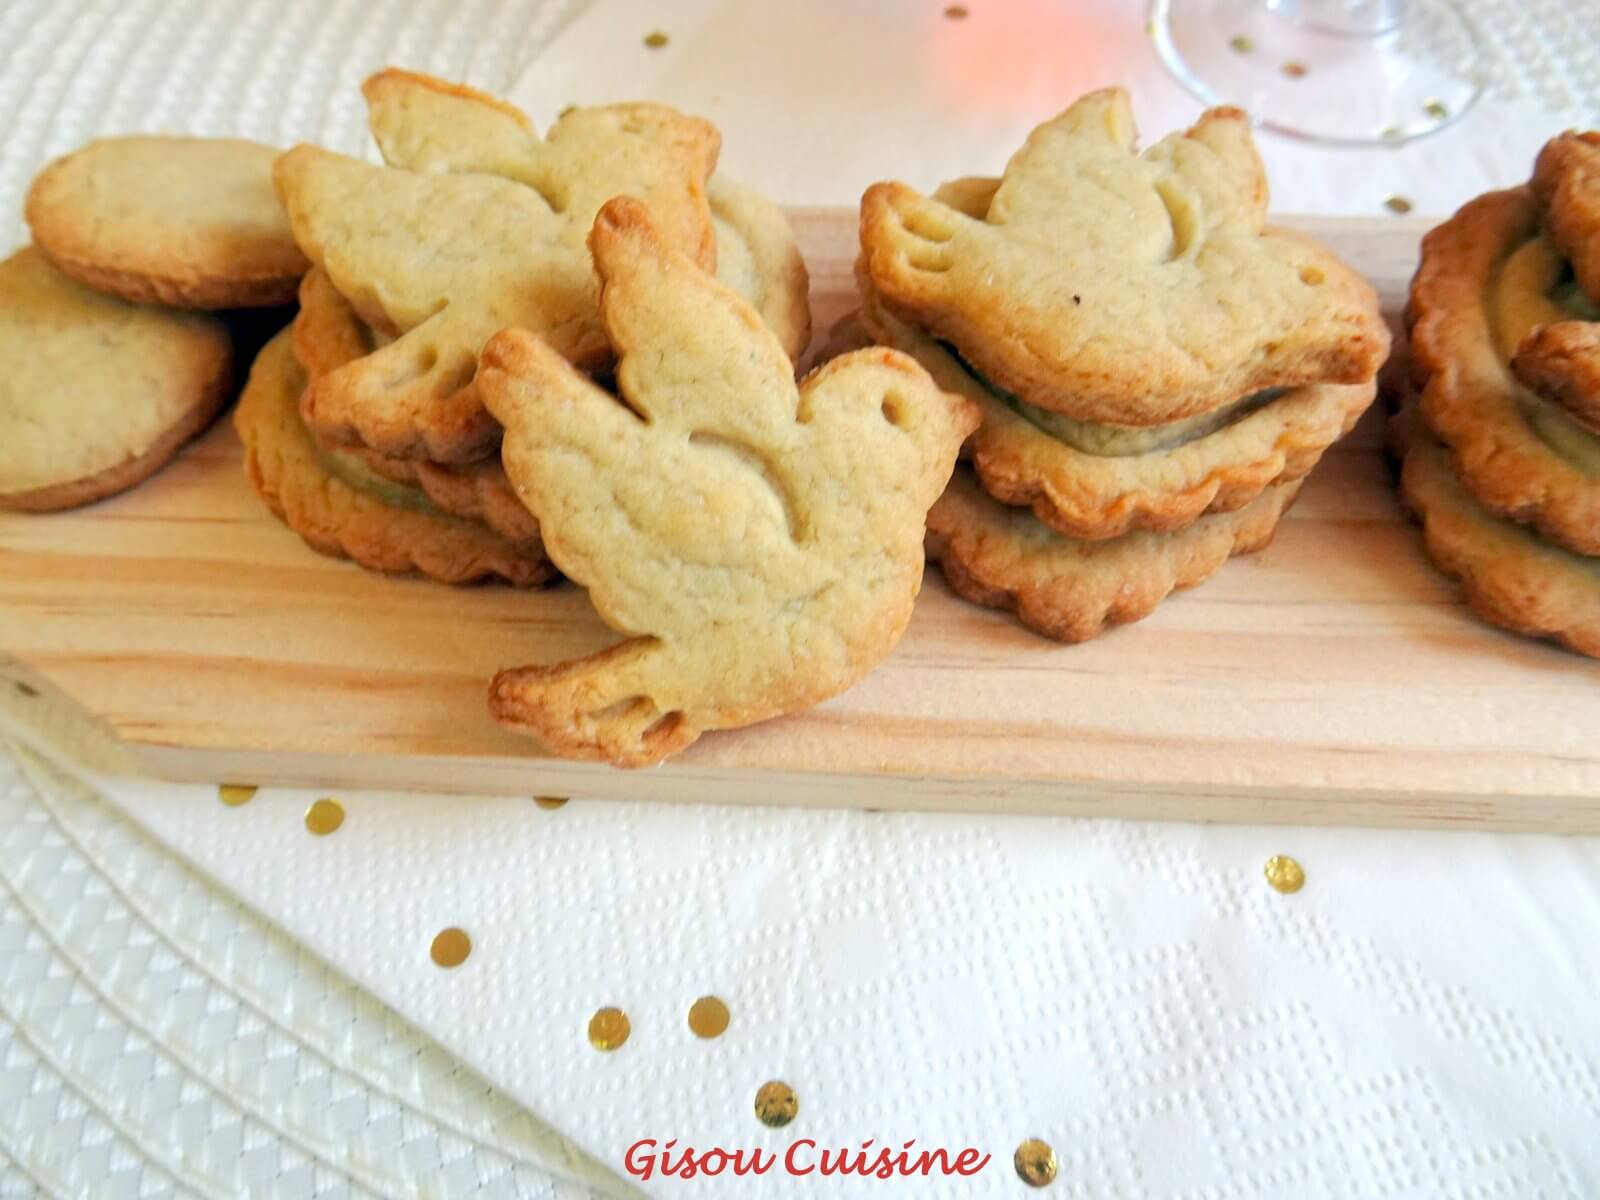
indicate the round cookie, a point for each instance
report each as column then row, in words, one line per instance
column 1487, row 280
column 185, row 222
column 1509, row 576
column 339, row 508
column 1070, row 589
column 97, row 394
column 1087, row 492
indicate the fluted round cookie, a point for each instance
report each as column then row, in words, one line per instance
column 339, row 508
column 1096, row 482
column 1072, row 589
column 1509, row 575
column 181, row 221
column 1487, row 281
column 96, row 394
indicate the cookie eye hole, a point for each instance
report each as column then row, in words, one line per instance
column 662, row 729
column 409, row 365
column 1312, row 276
column 455, row 380
column 894, row 410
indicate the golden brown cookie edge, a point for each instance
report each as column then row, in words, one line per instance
column 962, row 532
column 374, row 535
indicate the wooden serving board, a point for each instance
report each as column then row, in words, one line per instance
column 1333, row 679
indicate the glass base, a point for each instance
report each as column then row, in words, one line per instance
column 1412, row 74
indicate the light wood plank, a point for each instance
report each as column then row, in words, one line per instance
column 1333, row 679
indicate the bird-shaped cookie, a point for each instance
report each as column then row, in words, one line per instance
column 444, row 253
column 1123, row 288
column 759, row 543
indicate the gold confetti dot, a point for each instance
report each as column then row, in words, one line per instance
column 1391, row 133
column 609, row 1028
column 655, row 40
column 1284, row 874
column 235, row 794
column 1035, row 1163
column 1437, row 109
column 1295, row 69
column 776, row 1104
column 323, row 817
column 1397, row 204
column 957, row 12
column 1242, row 44
column 708, row 1017
column 450, row 947
column 550, row 802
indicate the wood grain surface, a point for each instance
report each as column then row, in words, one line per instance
column 1333, row 679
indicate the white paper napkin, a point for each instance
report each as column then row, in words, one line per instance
column 1417, row 1021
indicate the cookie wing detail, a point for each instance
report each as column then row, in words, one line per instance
column 427, row 125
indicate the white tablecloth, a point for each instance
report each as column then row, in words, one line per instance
column 1418, row 1021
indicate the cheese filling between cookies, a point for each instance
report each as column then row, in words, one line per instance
column 1093, row 437
column 351, row 471
column 1123, row 441
column 1535, row 287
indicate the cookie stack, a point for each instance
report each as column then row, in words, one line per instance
column 474, row 224
column 1502, row 442
column 114, row 360
column 1158, row 371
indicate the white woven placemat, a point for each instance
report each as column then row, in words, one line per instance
column 1544, row 52
column 278, row 71
column 156, row 1038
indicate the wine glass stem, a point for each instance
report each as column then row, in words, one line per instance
column 1353, row 18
